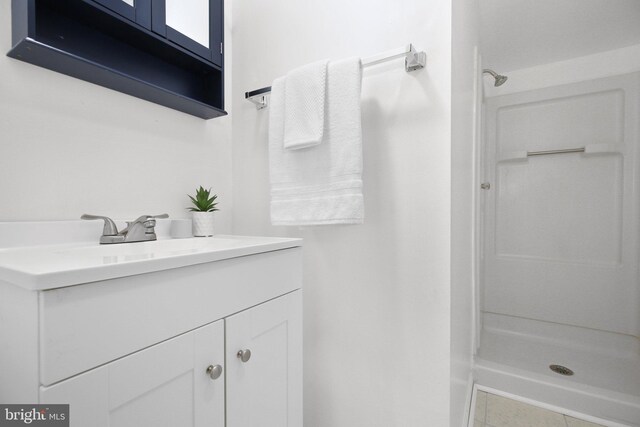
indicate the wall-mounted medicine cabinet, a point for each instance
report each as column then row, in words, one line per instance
column 165, row 51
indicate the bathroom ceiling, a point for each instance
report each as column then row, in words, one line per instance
column 518, row 34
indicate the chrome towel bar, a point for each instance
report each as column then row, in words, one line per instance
column 413, row 60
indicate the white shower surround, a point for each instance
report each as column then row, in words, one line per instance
column 515, row 352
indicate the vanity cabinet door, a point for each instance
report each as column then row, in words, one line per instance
column 196, row 25
column 138, row 11
column 266, row 389
column 166, row 385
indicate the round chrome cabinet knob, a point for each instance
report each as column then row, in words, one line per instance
column 214, row 371
column 244, row 355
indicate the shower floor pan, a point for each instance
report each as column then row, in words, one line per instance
column 515, row 355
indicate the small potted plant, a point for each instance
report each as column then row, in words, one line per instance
column 204, row 205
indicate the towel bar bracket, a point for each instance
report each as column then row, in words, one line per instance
column 258, row 97
column 260, row 101
column 415, row 60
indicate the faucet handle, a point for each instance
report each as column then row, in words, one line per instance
column 149, row 221
column 147, row 218
column 144, row 218
column 109, row 229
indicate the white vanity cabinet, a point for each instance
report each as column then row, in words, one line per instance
column 170, row 384
column 168, row 347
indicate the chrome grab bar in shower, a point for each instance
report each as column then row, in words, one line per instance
column 589, row 149
column 547, row 152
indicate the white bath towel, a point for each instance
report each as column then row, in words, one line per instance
column 320, row 184
column 305, row 106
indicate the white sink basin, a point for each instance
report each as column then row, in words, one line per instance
column 54, row 266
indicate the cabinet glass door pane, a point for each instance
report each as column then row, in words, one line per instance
column 190, row 18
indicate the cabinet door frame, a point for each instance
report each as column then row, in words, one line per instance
column 213, row 53
column 97, row 394
column 139, row 13
column 247, row 384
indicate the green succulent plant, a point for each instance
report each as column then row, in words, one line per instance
column 203, row 202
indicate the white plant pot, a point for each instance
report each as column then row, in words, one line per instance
column 202, row 224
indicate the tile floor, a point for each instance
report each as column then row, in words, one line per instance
column 498, row 411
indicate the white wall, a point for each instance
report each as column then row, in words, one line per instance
column 376, row 298
column 68, row 147
column 604, row 64
column 522, row 33
column 465, row 74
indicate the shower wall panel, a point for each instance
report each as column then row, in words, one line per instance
column 562, row 229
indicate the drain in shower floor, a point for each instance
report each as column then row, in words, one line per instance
column 562, row 370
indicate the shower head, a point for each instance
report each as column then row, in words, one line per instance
column 499, row 79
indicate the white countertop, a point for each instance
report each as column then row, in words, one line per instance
column 53, row 266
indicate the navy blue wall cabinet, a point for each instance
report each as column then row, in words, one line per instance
column 92, row 42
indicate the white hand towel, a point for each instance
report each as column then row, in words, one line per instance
column 321, row 184
column 305, row 106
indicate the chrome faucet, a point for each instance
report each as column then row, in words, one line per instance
column 140, row 230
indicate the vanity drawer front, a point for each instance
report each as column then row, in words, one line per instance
column 88, row 325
